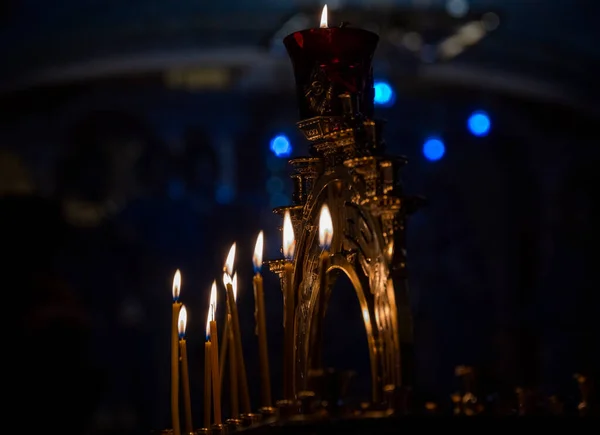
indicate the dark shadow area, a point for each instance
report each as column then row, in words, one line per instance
column 345, row 346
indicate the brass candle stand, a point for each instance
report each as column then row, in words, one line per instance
column 350, row 173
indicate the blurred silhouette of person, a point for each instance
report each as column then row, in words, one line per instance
column 50, row 380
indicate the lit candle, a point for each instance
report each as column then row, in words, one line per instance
column 214, row 339
column 331, row 61
column 207, row 372
column 185, row 375
column 228, row 327
column 325, row 238
column 175, row 355
column 231, row 287
column 261, row 325
column 289, row 245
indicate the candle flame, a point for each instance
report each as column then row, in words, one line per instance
column 208, row 316
column 213, row 301
column 176, row 285
column 258, row 253
column 324, row 18
column 289, row 243
column 234, row 286
column 226, row 279
column 182, row 322
column 230, row 260
column 325, row 228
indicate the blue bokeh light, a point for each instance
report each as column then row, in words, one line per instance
column 384, row 94
column 434, row 149
column 281, row 146
column 479, row 123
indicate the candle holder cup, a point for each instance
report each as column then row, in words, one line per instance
column 250, row 419
column 218, row 429
column 328, row 62
column 267, row 412
column 233, row 424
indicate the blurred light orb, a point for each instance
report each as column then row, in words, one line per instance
column 413, row 41
column 479, row 123
column 281, row 146
column 457, row 8
column 434, row 149
column 384, row 94
column 490, row 21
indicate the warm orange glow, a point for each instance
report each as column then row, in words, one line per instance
column 234, row 286
column 213, row 301
column 182, row 322
column 176, row 285
column 324, row 18
column 258, row 252
column 289, row 243
column 230, row 260
column 325, row 228
column 208, row 325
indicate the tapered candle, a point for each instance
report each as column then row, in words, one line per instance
column 207, row 373
column 261, row 324
column 228, row 327
column 289, row 245
column 214, row 339
column 185, row 374
column 325, row 238
column 224, row 350
column 231, row 286
column 233, row 373
column 175, row 355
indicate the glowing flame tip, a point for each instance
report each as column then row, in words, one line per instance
column 234, row 286
column 289, row 243
column 226, row 279
column 258, row 253
column 182, row 321
column 324, row 18
column 212, row 302
column 325, row 228
column 230, row 260
column 176, row 285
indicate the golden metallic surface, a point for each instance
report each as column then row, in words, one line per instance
column 363, row 193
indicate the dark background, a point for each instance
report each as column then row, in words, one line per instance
column 149, row 122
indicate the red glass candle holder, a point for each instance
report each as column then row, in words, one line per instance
column 328, row 62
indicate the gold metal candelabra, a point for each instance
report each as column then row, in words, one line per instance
column 349, row 171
